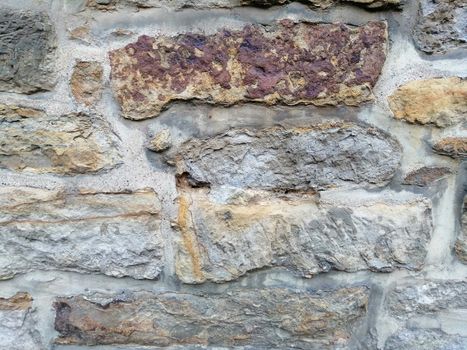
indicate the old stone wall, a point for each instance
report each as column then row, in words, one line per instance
column 233, row 174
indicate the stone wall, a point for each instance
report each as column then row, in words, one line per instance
column 232, row 174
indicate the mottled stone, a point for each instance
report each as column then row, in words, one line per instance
column 116, row 234
column 371, row 4
column 425, row 176
column 441, row 26
column 308, row 158
column 287, row 63
column 258, row 318
column 27, row 45
column 17, row 325
column 461, row 243
column 425, row 339
column 454, row 147
column 441, row 102
column 161, row 141
column 224, row 238
column 432, row 315
column 75, row 143
column 86, row 82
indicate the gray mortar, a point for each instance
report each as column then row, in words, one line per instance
column 143, row 169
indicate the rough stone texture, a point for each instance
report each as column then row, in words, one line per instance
column 108, row 5
column 425, row 176
column 441, row 26
column 411, row 339
column 116, row 234
column 86, row 82
column 75, row 143
column 260, row 318
column 308, row 158
column 27, row 45
column 461, row 243
column 17, row 326
column 421, row 306
column 161, row 141
column 288, row 63
column 221, row 241
column 442, row 101
column 454, row 147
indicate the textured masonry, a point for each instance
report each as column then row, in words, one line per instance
column 289, row 63
column 263, row 318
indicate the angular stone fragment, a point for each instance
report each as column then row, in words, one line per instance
column 116, row 234
column 461, row 243
column 325, row 155
column 161, row 141
column 17, row 326
column 425, row 176
column 27, row 45
column 454, row 147
column 441, row 102
column 425, row 339
column 75, row 143
column 257, row 318
column 288, row 63
column 441, row 26
column 86, row 82
column 432, row 315
column 222, row 239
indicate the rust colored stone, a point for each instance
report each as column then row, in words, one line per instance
column 424, row 176
column 454, row 147
column 288, row 63
column 19, row 301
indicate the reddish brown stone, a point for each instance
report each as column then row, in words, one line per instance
column 425, row 175
column 288, row 63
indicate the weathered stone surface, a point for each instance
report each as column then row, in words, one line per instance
column 17, row 326
column 461, row 243
column 288, row 63
column 442, row 101
column 27, row 45
column 75, row 143
column 222, row 239
column 86, row 82
column 429, row 311
column 258, row 318
column 454, row 147
column 425, row 176
column 425, row 339
column 116, row 234
column 372, row 4
column 321, row 156
column 441, row 26
column 161, row 141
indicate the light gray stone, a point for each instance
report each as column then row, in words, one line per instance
column 425, row 339
column 116, row 234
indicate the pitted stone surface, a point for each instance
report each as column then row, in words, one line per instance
column 116, row 234
column 76, row 143
column 441, row 26
column 17, row 325
column 86, row 82
column 461, row 244
column 441, row 102
column 287, row 63
column 257, row 318
column 333, row 154
column 452, row 146
column 423, row 307
column 27, row 45
column 426, row 176
column 222, row 239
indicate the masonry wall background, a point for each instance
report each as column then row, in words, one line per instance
column 168, row 179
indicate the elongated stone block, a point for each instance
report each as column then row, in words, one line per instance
column 116, row 234
column 17, row 326
column 287, row 63
column 224, row 238
column 75, row 143
column 259, row 318
column 27, row 45
column 325, row 155
column 461, row 243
